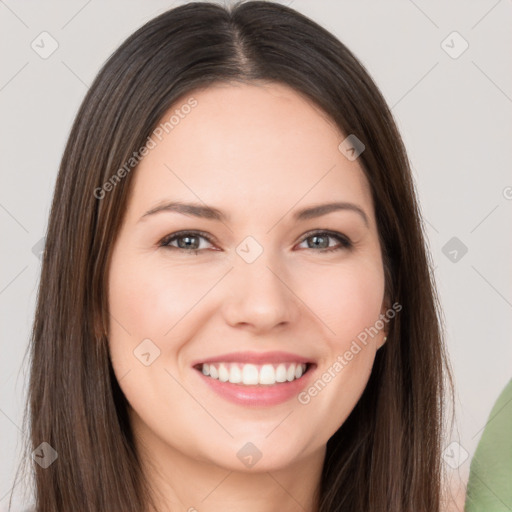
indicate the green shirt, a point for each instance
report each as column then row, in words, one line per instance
column 490, row 477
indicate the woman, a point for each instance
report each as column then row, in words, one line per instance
column 236, row 309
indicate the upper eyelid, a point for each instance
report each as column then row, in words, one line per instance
column 179, row 234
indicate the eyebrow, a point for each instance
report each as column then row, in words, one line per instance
column 211, row 213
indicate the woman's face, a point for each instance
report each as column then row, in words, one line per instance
column 251, row 290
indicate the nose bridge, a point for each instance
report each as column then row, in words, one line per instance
column 259, row 295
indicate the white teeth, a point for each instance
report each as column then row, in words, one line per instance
column 290, row 375
column 251, row 374
column 267, row 374
column 281, row 373
column 223, row 373
column 235, row 375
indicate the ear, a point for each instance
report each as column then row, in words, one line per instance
column 382, row 339
column 383, row 334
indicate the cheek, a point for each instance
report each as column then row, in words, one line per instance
column 350, row 303
column 149, row 299
column 347, row 300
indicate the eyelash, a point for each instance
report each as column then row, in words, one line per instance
column 344, row 241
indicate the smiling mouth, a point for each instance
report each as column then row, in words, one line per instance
column 248, row 374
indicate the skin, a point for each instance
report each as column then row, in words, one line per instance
column 264, row 146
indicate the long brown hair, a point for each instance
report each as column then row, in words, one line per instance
column 387, row 454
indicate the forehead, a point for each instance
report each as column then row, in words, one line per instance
column 247, row 144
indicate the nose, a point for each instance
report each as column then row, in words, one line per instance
column 260, row 296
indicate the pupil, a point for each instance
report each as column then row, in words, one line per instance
column 316, row 237
column 187, row 244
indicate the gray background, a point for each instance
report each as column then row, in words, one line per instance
column 454, row 115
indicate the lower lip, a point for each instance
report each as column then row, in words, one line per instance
column 258, row 395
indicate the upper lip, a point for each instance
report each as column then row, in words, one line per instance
column 255, row 358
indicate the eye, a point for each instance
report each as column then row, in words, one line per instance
column 188, row 241
column 321, row 240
